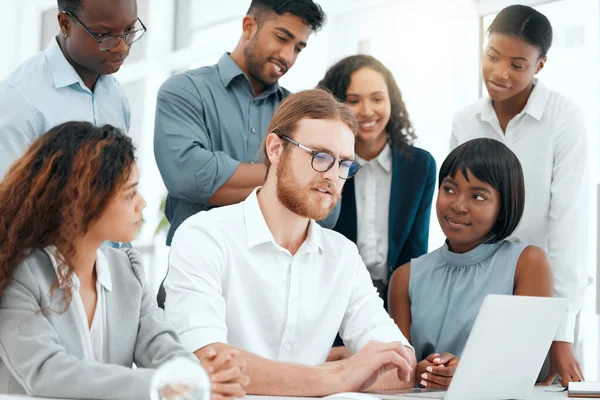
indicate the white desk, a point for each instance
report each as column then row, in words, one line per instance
column 539, row 393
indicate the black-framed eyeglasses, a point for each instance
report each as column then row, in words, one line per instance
column 108, row 42
column 322, row 161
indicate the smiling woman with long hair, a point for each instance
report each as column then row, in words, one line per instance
column 386, row 208
column 76, row 315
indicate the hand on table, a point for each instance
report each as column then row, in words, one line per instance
column 227, row 374
column 364, row 368
column 564, row 364
column 436, row 371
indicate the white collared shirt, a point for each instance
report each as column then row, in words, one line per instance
column 229, row 282
column 46, row 91
column 549, row 138
column 372, row 188
column 94, row 339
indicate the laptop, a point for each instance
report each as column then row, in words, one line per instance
column 504, row 353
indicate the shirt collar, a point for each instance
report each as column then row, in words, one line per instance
column 486, row 110
column 258, row 231
column 102, row 269
column 536, row 104
column 228, row 70
column 313, row 242
column 62, row 71
column 384, row 159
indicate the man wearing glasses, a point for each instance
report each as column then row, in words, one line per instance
column 70, row 79
column 262, row 277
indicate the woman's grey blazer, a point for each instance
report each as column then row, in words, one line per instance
column 41, row 356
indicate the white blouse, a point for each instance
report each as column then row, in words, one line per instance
column 372, row 188
column 93, row 339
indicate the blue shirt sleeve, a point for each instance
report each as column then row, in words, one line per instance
column 182, row 145
column 18, row 127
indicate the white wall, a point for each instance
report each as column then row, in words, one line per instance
column 431, row 47
column 10, row 13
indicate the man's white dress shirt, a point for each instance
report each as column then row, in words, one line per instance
column 229, row 282
column 549, row 138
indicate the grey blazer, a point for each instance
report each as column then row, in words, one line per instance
column 41, row 356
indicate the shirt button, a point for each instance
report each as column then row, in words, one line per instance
column 286, row 346
column 253, row 130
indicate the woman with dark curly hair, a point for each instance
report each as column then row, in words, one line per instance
column 75, row 315
column 386, row 207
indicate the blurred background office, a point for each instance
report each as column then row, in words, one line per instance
column 433, row 47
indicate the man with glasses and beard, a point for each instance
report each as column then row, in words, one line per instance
column 211, row 121
column 263, row 278
column 71, row 79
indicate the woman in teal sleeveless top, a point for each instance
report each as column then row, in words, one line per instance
column 435, row 298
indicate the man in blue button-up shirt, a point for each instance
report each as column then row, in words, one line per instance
column 70, row 79
column 210, row 122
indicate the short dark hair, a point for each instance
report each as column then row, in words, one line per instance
column 308, row 10
column 492, row 162
column 71, row 6
column 337, row 80
column 526, row 23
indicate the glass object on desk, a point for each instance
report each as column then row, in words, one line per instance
column 180, row 379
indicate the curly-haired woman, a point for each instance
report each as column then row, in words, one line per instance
column 76, row 315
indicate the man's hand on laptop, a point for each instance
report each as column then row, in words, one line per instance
column 563, row 364
column 364, row 368
column 436, row 371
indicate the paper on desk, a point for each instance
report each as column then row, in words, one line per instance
column 584, row 389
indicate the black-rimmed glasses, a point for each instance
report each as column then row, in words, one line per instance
column 108, row 42
column 322, row 161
